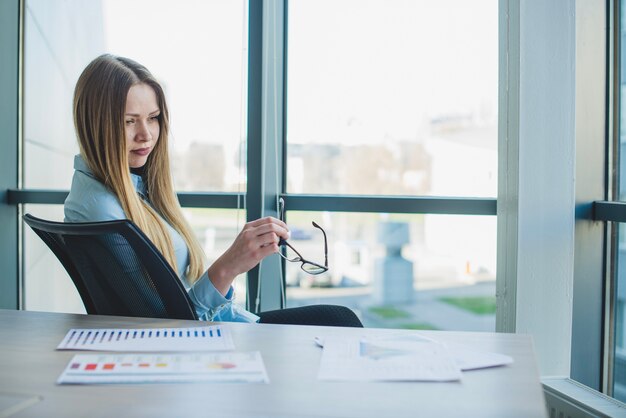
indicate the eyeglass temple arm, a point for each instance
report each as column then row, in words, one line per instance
column 325, row 243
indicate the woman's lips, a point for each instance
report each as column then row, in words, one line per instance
column 142, row 151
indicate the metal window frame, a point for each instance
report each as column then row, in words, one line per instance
column 265, row 139
column 608, row 212
column 592, row 242
column 10, row 114
column 597, row 216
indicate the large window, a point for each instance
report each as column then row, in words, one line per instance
column 399, row 271
column 196, row 49
column 392, row 98
column 198, row 52
column 386, row 102
column 395, row 99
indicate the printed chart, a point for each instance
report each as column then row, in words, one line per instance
column 165, row 368
column 211, row 338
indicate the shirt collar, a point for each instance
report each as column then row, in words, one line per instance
column 81, row 165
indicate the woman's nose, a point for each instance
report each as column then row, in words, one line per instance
column 143, row 133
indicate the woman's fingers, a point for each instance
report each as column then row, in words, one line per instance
column 269, row 239
column 267, row 221
column 267, row 225
column 257, row 240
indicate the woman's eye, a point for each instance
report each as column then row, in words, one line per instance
column 130, row 122
column 155, row 117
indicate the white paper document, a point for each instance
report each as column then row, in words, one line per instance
column 354, row 359
column 211, row 338
column 165, row 368
column 470, row 359
column 467, row 358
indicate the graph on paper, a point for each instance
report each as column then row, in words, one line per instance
column 230, row 367
column 210, row 338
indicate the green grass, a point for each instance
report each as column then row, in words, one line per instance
column 419, row 325
column 480, row 305
column 388, row 312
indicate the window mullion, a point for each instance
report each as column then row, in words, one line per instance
column 265, row 139
column 10, row 23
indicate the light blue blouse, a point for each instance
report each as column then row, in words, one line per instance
column 90, row 201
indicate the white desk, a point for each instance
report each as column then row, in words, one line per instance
column 29, row 367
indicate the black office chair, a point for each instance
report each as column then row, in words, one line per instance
column 118, row 271
column 116, row 268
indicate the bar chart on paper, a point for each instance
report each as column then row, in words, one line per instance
column 245, row 367
column 211, row 338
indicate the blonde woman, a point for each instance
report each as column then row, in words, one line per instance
column 123, row 172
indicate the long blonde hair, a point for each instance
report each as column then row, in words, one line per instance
column 99, row 106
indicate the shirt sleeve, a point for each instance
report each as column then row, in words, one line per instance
column 211, row 305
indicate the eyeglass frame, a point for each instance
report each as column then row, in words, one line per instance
column 301, row 259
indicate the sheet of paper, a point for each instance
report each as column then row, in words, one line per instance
column 352, row 359
column 467, row 358
column 229, row 367
column 211, row 338
column 470, row 359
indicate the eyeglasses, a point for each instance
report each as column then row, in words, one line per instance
column 307, row 266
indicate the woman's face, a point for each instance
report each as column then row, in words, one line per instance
column 141, row 124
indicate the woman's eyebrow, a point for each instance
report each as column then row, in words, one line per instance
column 137, row 114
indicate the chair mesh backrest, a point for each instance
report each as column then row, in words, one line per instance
column 111, row 269
column 116, row 269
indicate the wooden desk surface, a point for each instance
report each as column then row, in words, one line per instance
column 29, row 366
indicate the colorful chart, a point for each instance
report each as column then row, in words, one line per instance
column 180, row 367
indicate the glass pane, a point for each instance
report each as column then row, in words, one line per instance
column 197, row 49
column 217, row 229
column 47, row 287
column 399, row 271
column 396, row 98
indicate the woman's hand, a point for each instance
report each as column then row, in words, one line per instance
column 257, row 240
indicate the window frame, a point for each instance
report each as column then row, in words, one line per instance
column 11, row 39
column 594, row 237
column 610, row 211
